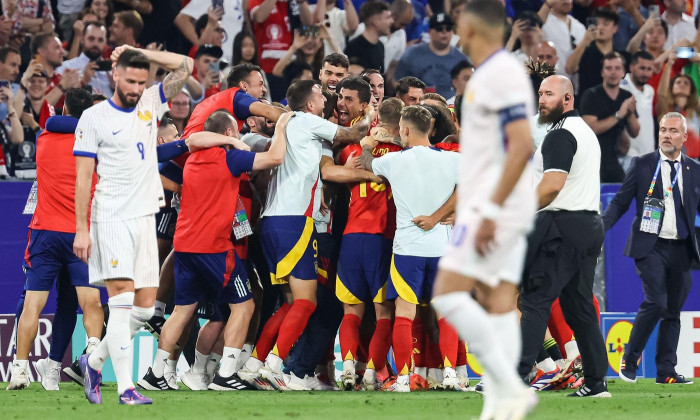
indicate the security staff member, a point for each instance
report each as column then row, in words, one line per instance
column 664, row 184
column 568, row 234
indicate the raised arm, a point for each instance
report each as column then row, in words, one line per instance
column 358, row 131
column 275, row 154
column 207, row 139
column 574, row 60
column 271, row 112
column 260, row 13
column 84, row 168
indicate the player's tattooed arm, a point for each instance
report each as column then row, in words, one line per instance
column 381, row 135
column 367, row 157
column 174, row 82
column 355, row 133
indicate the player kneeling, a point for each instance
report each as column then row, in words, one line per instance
column 206, row 264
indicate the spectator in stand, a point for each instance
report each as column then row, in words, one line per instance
column 525, row 36
column 641, row 69
column 367, row 50
column 245, row 49
column 13, row 133
column 609, row 110
column 306, row 51
column 10, row 61
column 432, row 62
column 28, row 17
column 125, row 29
column 587, row 57
column 208, row 77
column 563, row 30
column 395, row 42
column 48, row 53
column 631, row 19
column 143, row 7
column 547, row 53
column 460, row 75
column 94, row 40
column 410, row 90
column 340, row 23
column 68, row 11
column 181, row 108
column 103, row 9
column 76, row 37
column 680, row 25
column 209, row 31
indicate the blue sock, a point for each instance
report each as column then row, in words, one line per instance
column 18, row 313
column 65, row 318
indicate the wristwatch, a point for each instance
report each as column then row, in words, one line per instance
column 617, row 115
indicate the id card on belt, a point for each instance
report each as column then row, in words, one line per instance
column 241, row 224
column 652, row 215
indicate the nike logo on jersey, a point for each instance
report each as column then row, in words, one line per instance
column 114, row 133
column 124, row 348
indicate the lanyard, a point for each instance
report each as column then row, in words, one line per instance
column 656, row 174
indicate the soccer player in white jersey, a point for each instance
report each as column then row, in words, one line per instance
column 495, row 211
column 423, row 181
column 121, row 247
column 287, row 224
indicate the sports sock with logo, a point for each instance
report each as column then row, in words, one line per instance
column 212, row 363
column 122, row 304
column 461, row 353
column 159, row 309
column 379, row 345
column 448, row 343
column 269, row 333
column 228, row 361
column 349, row 336
column 419, row 346
column 403, row 346
column 200, row 362
column 293, row 325
column 552, row 349
column 118, row 339
column 159, row 362
column 246, row 351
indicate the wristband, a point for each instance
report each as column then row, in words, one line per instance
column 490, row 210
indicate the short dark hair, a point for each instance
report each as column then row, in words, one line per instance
column 407, row 82
column 664, row 26
column 200, row 24
column 435, row 97
column 336, row 60
column 464, row 64
column 390, row 111
column 640, row 55
column 131, row 19
column 356, row 83
column 98, row 24
column 5, row 51
column 298, row 94
column 219, row 121
column 531, row 17
column 368, row 72
column 491, row 12
column 134, row 59
column 98, row 97
column 418, row 116
column 612, row 55
column 77, row 101
column 443, row 126
column 240, row 73
column 607, row 13
column 372, row 8
column 40, row 40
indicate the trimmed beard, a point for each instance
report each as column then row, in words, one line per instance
column 126, row 101
column 553, row 115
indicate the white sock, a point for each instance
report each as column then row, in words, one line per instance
column 118, row 339
column 348, row 367
column 474, row 326
column 212, row 363
column 101, row 353
column 506, row 329
column 170, row 366
column 92, row 344
column 139, row 316
column 274, row 362
column 403, row 379
column 421, row 371
column 435, row 374
column 253, row 364
column 571, row 349
column 20, row 363
column 462, row 370
column 246, row 351
column 159, row 362
column 370, row 376
column 200, row 362
column 547, row 365
column 53, row 363
column 228, row 361
column 159, row 309
column 448, row 372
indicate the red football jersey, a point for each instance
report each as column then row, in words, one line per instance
column 55, row 174
column 207, row 107
column 274, row 36
column 208, row 204
column 450, row 147
column 372, row 207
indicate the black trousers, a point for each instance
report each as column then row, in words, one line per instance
column 563, row 265
column 666, row 280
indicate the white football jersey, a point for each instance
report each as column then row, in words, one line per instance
column 293, row 184
column 123, row 141
column 498, row 92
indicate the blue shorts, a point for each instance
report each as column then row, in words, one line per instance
column 290, row 247
column 412, row 278
column 166, row 219
column 363, row 268
column 204, row 277
column 48, row 254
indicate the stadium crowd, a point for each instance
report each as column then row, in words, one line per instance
column 333, row 232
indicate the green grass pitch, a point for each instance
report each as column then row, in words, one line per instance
column 642, row 401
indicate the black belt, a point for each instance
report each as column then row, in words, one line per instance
column 675, row 242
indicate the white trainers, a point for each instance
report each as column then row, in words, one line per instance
column 275, row 378
column 451, row 382
column 195, row 381
column 20, row 379
column 171, row 379
column 464, row 380
column 254, row 379
column 297, row 384
column 318, row 385
column 49, row 373
column 401, row 385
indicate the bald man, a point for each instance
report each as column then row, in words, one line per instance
column 567, row 172
column 495, row 211
column 546, row 52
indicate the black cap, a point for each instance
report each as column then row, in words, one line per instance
column 440, row 19
column 209, row 49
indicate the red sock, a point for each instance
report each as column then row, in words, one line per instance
column 448, row 343
column 597, row 307
column 349, row 335
column 268, row 335
column 379, row 346
column 433, row 354
column 293, row 325
column 418, row 343
column 461, row 353
column 560, row 330
column 402, row 345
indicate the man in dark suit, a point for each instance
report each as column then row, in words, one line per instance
column 661, row 242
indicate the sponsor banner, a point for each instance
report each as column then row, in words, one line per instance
column 39, row 349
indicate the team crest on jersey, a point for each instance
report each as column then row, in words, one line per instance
column 80, row 134
column 114, row 262
column 145, row 116
column 470, row 96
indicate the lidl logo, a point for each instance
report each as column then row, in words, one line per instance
column 474, row 364
column 615, row 342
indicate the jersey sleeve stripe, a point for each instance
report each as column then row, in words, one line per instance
column 163, row 99
column 86, row 154
column 512, row 113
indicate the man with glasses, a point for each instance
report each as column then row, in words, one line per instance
column 433, row 61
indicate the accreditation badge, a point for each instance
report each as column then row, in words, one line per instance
column 652, row 215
